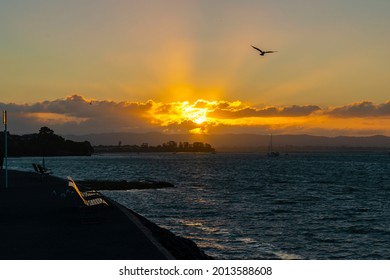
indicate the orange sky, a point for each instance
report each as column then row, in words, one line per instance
column 79, row 115
column 329, row 76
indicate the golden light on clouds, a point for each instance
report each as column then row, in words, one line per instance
column 202, row 117
column 77, row 114
column 179, row 112
column 55, row 118
column 170, row 51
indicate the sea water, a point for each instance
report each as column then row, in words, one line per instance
column 250, row 206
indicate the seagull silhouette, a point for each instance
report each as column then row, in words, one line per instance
column 262, row 53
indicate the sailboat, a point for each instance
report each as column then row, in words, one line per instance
column 271, row 153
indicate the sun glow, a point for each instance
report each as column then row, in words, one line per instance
column 209, row 117
column 55, row 118
column 193, row 116
column 197, row 115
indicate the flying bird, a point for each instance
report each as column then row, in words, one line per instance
column 262, row 53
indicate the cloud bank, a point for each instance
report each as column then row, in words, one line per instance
column 362, row 109
column 79, row 115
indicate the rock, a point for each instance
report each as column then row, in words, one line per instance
column 181, row 248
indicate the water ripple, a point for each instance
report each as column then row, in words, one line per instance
column 248, row 206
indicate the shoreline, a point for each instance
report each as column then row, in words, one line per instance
column 179, row 248
column 41, row 219
column 174, row 246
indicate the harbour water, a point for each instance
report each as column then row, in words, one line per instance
column 250, row 206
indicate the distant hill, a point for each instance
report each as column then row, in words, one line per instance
column 240, row 141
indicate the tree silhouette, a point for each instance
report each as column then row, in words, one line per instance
column 45, row 131
column 46, row 143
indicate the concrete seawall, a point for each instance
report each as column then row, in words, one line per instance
column 41, row 219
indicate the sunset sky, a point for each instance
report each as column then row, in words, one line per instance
column 174, row 66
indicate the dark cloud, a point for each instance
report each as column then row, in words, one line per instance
column 78, row 115
column 298, row 111
column 164, row 109
column 250, row 112
column 180, row 127
column 361, row 109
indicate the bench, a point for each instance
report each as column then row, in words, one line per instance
column 89, row 198
column 41, row 170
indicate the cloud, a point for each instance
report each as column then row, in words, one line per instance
column 248, row 112
column 76, row 114
column 361, row 109
column 79, row 115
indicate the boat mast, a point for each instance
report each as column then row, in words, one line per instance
column 270, row 144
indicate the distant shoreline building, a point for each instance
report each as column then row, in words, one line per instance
column 170, row 146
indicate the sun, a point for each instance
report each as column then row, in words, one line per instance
column 200, row 119
column 196, row 115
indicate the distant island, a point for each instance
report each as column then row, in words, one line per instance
column 44, row 143
column 247, row 142
column 170, row 146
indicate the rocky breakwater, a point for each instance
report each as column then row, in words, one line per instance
column 179, row 247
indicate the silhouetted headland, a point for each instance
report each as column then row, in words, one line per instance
column 42, row 219
column 44, row 143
